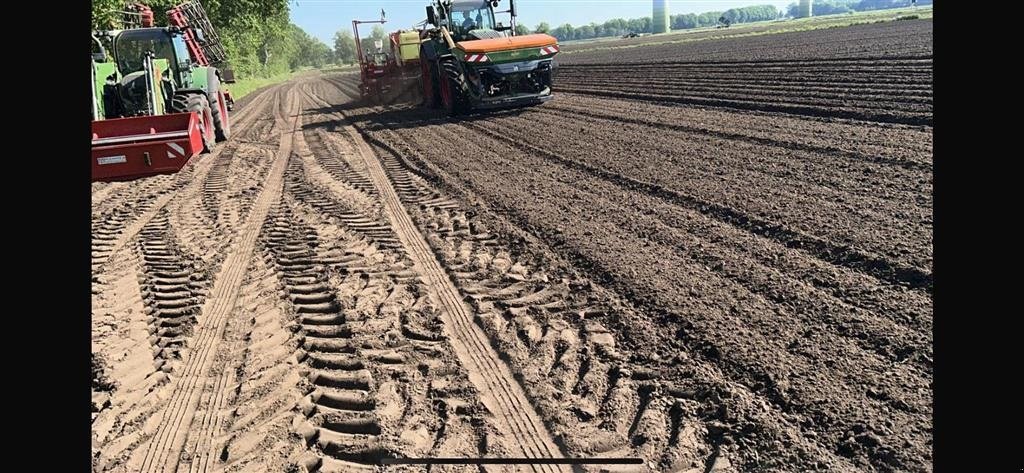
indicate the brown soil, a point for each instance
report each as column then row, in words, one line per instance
column 729, row 287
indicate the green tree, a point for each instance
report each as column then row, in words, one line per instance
column 307, row 51
column 585, row 32
column 258, row 37
column 344, row 47
column 522, row 29
column 684, row 22
column 106, row 14
column 378, row 32
column 564, row 33
column 708, row 18
column 543, row 27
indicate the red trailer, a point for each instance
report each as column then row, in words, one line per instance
column 388, row 71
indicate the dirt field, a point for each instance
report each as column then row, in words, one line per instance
column 710, row 255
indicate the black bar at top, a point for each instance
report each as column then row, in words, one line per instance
column 511, row 461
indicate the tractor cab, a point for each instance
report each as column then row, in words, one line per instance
column 472, row 19
column 144, row 56
column 131, row 46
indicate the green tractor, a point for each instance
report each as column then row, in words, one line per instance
column 471, row 62
column 157, row 97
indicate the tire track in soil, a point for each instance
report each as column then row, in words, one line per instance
column 501, row 392
column 714, row 408
column 161, row 451
column 235, row 197
column 648, row 369
column 208, row 222
column 350, row 413
column 262, row 391
column 173, row 287
column 415, row 118
column 526, row 318
column 119, row 429
column 376, row 229
column 113, row 228
column 118, row 206
column 338, row 416
column 374, row 330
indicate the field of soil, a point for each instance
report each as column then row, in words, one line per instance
column 713, row 255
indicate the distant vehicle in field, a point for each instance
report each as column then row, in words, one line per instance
column 471, row 62
column 631, row 35
column 388, row 74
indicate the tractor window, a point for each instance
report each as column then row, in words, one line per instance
column 181, row 50
column 132, row 44
column 471, row 15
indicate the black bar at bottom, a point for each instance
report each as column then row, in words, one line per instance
column 511, row 461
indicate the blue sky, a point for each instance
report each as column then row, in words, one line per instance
column 321, row 18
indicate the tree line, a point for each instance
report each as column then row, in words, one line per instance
column 620, row 26
column 257, row 34
column 835, row 7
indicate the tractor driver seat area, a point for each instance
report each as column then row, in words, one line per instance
column 469, row 17
column 133, row 91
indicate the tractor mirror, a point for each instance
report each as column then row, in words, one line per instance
column 382, row 14
column 200, row 36
column 431, row 18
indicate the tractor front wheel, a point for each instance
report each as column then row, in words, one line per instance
column 218, row 106
column 225, row 121
column 197, row 103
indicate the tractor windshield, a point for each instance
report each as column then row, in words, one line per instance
column 132, row 44
column 469, row 15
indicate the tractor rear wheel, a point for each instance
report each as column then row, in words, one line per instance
column 218, row 106
column 451, row 94
column 431, row 94
column 196, row 102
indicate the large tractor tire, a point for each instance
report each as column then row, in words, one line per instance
column 451, row 94
column 431, row 92
column 218, row 106
column 197, row 102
